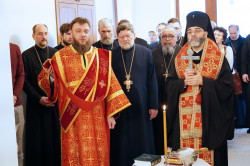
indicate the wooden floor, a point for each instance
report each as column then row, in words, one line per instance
column 239, row 149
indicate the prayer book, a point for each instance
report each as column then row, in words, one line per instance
column 147, row 160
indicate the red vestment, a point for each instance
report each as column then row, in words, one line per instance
column 190, row 101
column 87, row 97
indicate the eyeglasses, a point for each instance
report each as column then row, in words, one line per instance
column 196, row 31
column 167, row 36
column 126, row 36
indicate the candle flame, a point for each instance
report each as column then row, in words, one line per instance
column 164, row 107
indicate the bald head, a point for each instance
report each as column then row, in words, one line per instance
column 40, row 35
column 38, row 25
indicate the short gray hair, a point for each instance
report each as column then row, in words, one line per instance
column 232, row 25
column 105, row 22
column 169, row 27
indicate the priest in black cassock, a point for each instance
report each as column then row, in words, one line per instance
column 106, row 31
column 200, row 109
column 138, row 40
column 134, row 68
column 164, row 58
column 42, row 127
column 245, row 69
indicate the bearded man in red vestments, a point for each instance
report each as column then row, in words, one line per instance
column 88, row 96
column 200, row 109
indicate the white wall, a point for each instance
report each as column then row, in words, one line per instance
column 104, row 9
column 148, row 13
column 19, row 18
column 124, row 10
column 145, row 14
column 8, row 147
column 24, row 14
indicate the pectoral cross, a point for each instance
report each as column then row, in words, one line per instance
column 128, row 82
column 165, row 74
column 190, row 58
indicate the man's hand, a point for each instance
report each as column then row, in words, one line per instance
column 111, row 122
column 50, row 72
column 189, row 72
column 44, row 101
column 153, row 113
column 245, row 78
column 195, row 79
column 14, row 99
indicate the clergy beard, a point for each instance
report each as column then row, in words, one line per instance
column 81, row 48
column 167, row 50
column 43, row 43
column 107, row 41
column 66, row 43
column 198, row 43
column 127, row 46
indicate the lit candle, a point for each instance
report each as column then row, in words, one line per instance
column 165, row 131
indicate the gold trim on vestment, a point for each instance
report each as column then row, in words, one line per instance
column 97, row 74
column 72, row 83
column 60, row 66
column 72, row 121
column 109, row 73
column 112, row 96
column 40, row 84
column 84, row 75
column 118, row 110
column 220, row 64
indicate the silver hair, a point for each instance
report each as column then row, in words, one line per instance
column 169, row 27
column 105, row 22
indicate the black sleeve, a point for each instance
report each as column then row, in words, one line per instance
column 28, row 88
column 217, row 108
column 152, row 82
column 245, row 56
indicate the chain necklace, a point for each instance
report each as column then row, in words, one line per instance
column 232, row 46
column 167, row 68
column 111, row 46
column 180, row 41
column 128, row 82
column 39, row 56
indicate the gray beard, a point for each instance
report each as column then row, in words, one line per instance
column 107, row 41
column 167, row 50
column 127, row 47
column 198, row 43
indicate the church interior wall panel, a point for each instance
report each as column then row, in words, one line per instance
column 8, row 146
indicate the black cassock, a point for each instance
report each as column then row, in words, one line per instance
column 133, row 133
column 98, row 44
column 245, row 68
column 161, row 65
column 216, row 110
column 42, row 138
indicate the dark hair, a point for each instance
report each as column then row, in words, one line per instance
column 79, row 20
column 223, row 30
column 174, row 20
column 34, row 27
column 124, row 26
column 65, row 28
